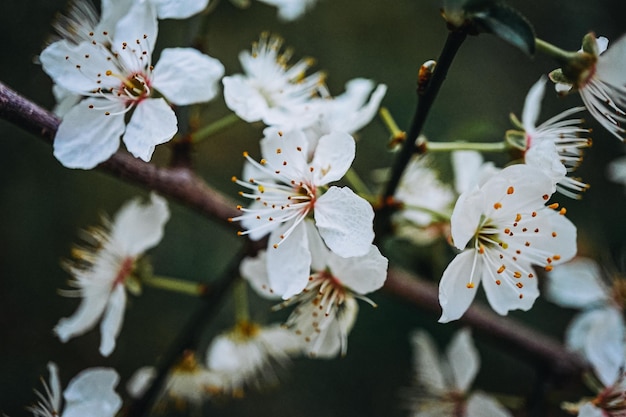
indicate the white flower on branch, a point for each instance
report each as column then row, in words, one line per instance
column 286, row 188
column 503, row 228
column 102, row 275
column 90, row 393
column 116, row 76
column 442, row 384
column 598, row 332
column 326, row 309
column 249, row 355
column 602, row 86
column 556, row 145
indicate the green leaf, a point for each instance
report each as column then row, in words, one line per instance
column 506, row 23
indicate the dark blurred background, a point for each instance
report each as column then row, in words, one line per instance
column 43, row 205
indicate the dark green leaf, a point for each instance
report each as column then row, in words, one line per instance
column 506, row 23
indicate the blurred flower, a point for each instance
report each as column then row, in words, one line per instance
column 598, row 332
column 611, row 402
column 616, row 170
column 601, row 82
column 272, row 90
column 101, row 274
column 288, row 186
column 249, row 355
column 90, row 393
column 503, row 228
column 425, row 203
column 326, row 309
column 289, row 10
column 563, row 152
column 116, row 76
column 442, row 384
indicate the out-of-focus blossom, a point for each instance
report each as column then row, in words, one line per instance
column 503, row 228
column 616, row 170
column 442, row 384
column 598, row 332
column 286, row 188
column 326, row 309
column 114, row 74
column 601, row 82
column 425, row 203
column 249, row 355
column 563, row 151
column 90, row 393
column 610, row 402
column 271, row 89
column 289, row 10
column 101, row 275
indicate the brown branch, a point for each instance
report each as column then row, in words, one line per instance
column 185, row 186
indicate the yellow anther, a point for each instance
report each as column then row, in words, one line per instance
column 517, row 274
column 518, row 217
column 510, row 190
column 470, row 285
column 501, row 269
column 554, row 206
column 497, row 206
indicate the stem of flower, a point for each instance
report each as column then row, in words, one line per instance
column 555, row 52
column 453, row 43
column 357, row 184
column 176, row 285
column 214, row 127
column 397, row 136
column 466, row 146
column 242, row 310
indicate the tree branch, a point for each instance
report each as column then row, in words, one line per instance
column 186, row 187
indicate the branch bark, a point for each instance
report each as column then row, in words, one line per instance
column 185, row 186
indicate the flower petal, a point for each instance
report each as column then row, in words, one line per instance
column 254, row 270
column 138, row 24
column 577, row 284
column 463, row 359
column 362, row 274
column 483, row 405
column 152, row 123
column 427, row 365
column 532, row 105
column 242, row 98
column 112, row 321
column 86, row 136
column 138, row 227
column 590, row 410
column 187, row 76
column 506, row 293
column 333, row 157
column 91, row 393
column 179, row 9
column 455, row 292
column 93, row 304
column 289, row 264
column 611, row 63
column 345, row 222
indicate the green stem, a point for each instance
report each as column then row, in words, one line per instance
column 397, row 136
column 466, row 146
column 435, row 214
column 555, row 52
column 214, row 127
column 357, row 184
column 176, row 285
column 242, row 310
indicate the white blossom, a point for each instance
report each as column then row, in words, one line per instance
column 326, row 309
column 602, row 86
column 443, row 383
column 249, row 355
column 289, row 10
column 101, row 275
column 115, row 75
column 286, row 188
column 616, row 170
column 503, row 228
column 598, row 332
column 610, row 402
column 271, row 89
column 90, row 393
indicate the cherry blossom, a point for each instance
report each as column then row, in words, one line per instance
column 286, row 187
column 101, row 275
column 289, row 10
column 443, row 383
column 503, row 228
column 115, row 75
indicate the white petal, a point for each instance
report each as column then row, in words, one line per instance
column 140, row 23
column 455, row 296
column 532, row 105
column 362, row 274
column 590, row 410
column 287, row 152
column 544, row 156
column 616, row 170
column 140, row 381
column 187, row 76
column 466, row 217
column 333, row 157
column 466, row 166
column 319, row 251
column 345, row 222
column 112, row 321
column 611, row 63
column 482, row 405
column 55, row 386
column 89, row 311
column 463, row 359
column 577, row 284
column 289, row 265
column 599, row 335
column 152, row 123
column 91, row 393
column 254, row 270
column 242, row 98
column 179, row 9
column 426, row 364
column 507, row 296
column 86, row 136
column 138, row 227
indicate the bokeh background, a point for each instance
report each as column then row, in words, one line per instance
column 43, row 205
